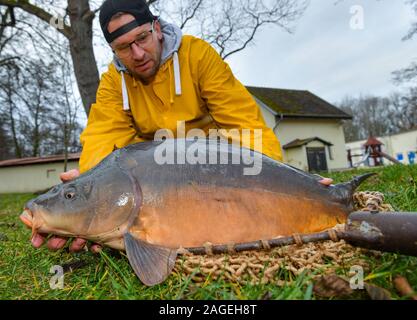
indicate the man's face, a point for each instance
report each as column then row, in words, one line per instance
column 143, row 59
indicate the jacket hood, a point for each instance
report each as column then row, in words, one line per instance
column 170, row 46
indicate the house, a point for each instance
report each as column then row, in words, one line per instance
column 309, row 128
column 33, row 174
column 401, row 146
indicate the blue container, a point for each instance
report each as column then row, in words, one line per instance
column 412, row 157
column 400, row 157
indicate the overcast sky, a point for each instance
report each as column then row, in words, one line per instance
column 326, row 56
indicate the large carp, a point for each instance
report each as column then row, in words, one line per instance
column 133, row 202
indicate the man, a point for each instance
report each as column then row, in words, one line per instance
column 159, row 78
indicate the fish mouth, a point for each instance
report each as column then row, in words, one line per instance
column 27, row 218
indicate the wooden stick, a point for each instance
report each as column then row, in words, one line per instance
column 266, row 244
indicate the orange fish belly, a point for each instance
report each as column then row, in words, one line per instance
column 192, row 216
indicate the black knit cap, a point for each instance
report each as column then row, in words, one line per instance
column 138, row 8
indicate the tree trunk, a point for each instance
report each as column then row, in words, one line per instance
column 17, row 150
column 36, row 130
column 66, row 143
column 82, row 51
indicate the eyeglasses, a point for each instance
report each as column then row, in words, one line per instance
column 143, row 41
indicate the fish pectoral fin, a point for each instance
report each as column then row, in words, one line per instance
column 151, row 263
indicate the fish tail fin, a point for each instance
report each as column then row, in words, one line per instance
column 343, row 192
column 357, row 181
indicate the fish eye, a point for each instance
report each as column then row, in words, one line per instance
column 69, row 195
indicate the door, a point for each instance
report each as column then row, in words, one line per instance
column 317, row 159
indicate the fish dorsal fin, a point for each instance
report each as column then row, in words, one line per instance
column 151, row 263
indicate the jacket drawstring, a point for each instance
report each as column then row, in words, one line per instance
column 171, row 98
column 126, row 106
column 177, row 81
column 177, row 74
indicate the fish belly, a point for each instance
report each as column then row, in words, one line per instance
column 192, row 216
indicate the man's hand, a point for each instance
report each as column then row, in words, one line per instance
column 56, row 243
column 326, row 181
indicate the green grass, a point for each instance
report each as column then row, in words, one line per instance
column 25, row 271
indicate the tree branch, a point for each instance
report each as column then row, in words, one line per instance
column 246, row 43
column 6, row 61
column 191, row 16
column 12, row 22
column 149, row 2
column 38, row 12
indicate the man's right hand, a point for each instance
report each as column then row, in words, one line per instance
column 56, row 243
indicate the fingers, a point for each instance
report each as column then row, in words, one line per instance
column 77, row 245
column 56, row 243
column 95, row 248
column 69, row 175
column 38, row 240
column 326, row 181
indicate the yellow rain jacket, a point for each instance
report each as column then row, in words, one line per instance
column 193, row 85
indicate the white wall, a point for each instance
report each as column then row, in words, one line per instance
column 329, row 130
column 404, row 143
column 393, row 145
column 267, row 113
column 297, row 157
column 32, row 178
column 288, row 130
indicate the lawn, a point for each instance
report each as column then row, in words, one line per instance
column 25, row 272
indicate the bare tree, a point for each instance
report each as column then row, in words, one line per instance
column 378, row 116
column 5, row 146
column 408, row 109
column 65, row 118
column 39, row 109
column 406, row 102
column 350, row 127
column 36, row 93
column 11, row 65
column 33, row 89
column 77, row 27
column 413, row 30
column 408, row 74
column 405, row 116
column 5, row 141
column 8, row 107
column 373, row 116
column 6, row 38
column 230, row 26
